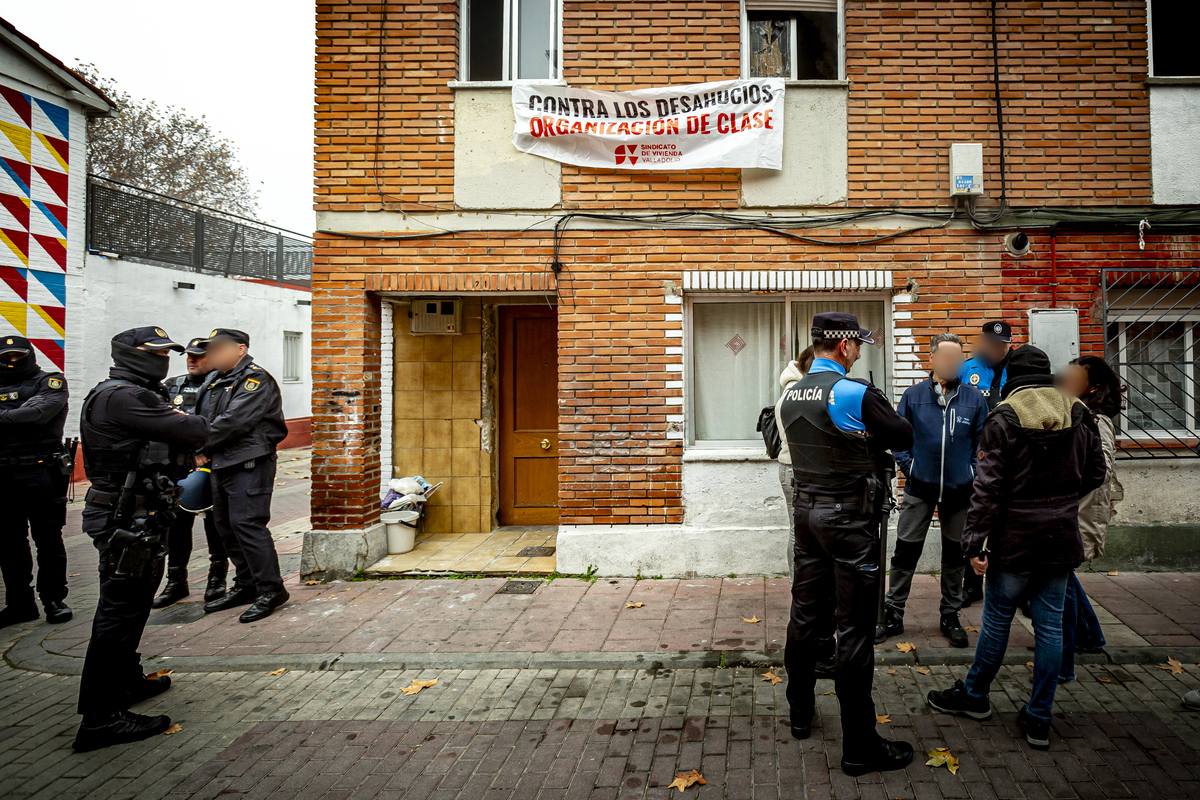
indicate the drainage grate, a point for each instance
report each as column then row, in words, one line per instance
column 519, row 587
column 535, row 552
column 178, row 614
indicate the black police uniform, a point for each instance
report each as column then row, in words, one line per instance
column 834, row 425
column 184, row 392
column 34, row 475
column 245, row 409
column 135, row 445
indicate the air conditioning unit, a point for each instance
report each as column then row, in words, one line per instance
column 966, row 169
column 436, row 316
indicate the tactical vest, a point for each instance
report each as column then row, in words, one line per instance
column 824, row 457
column 43, row 440
column 183, row 394
column 108, row 461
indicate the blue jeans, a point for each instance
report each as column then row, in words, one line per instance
column 1045, row 592
column 1081, row 627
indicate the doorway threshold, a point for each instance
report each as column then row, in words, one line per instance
column 504, row 551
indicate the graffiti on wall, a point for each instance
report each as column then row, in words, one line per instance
column 34, row 197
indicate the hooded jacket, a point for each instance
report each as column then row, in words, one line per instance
column 1039, row 452
column 940, row 466
column 791, row 373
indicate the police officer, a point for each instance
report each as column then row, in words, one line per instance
column 987, row 368
column 135, row 446
column 245, row 409
column 34, row 474
column 836, row 428
column 184, row 391
column 987, row 371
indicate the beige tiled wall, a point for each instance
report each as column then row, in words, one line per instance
column 438, row 402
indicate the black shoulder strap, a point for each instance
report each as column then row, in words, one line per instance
column 103, row 386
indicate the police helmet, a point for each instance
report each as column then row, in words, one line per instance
column 197, row 491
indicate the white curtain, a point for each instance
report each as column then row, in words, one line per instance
column 873, row 364
column 740, row 351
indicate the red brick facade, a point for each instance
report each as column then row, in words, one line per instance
column 1077, row 134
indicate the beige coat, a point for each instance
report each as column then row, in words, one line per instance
column 1095, row 508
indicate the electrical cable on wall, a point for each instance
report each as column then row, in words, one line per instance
column 999, row 131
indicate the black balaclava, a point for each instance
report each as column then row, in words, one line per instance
column 12, row 372
column 151, row 367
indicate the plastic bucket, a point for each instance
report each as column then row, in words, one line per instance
column 401, row 527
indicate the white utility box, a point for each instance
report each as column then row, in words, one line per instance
column 436, row 316
column 966, row 169
column 1056, row 331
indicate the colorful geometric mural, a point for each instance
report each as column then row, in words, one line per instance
column 34, row 196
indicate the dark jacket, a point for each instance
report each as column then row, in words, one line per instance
column 33, row 412
column 245, row 409
column 1039, row 453
column 184, row 391
column 940, row 467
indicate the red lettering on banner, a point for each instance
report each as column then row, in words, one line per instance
column 704, row 123
column 722, row 125
column 693, row 125
column 657, row 127
column 593, row 127
column 577, row 128
column 745, row 122
column 758, row 119
column 535, row 127
column 548, row 122
column 563, row 127
column 768, row 120
column 623, row 128
column 635, row 128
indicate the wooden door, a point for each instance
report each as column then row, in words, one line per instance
column 528, row 415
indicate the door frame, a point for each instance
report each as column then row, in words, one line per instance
column 505, row 512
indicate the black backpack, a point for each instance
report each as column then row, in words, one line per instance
column 770, row 431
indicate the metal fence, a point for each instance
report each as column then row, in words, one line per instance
column 142, row 226
column 1151, row 324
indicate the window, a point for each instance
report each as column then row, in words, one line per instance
column 293, row 356
column 797, row 40
column 1157, row 362
column 738, row 348
column 1173, row 24
column 509, row 40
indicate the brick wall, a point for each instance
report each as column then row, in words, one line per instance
column 1076, row 108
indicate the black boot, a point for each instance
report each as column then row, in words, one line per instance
column 264, row 604
column 56, row 611
column 119, row 728
column 953, row 630
column 893, row 625
column 175, row 590
column 215, row 589
column 240, row 596
column 884, row 756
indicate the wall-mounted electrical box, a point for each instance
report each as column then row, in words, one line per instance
column 1056, row 332
column 966, row 169
column 436, row 315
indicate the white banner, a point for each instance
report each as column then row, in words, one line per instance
column 725, row 124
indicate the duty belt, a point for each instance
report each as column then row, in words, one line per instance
column 96, row 497
column 24, row 461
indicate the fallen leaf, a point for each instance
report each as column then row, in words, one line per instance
column 350, row 590
column 158, row 674
column 74, row 575
column 905, row 647
column 891, row 672
column 970, row 628
column 941, row 756
column 883, row 719
column 1029, row 663
column 752, row 620
column 281, row 483
column 416, row 686
column 311, row 583
column 770, row 675
column 828, row 694
column 1104, row 680
column 1113, row 573
column 1173, row 666
column 176, row 728
column 279, row 671
column 634, row 605
column 923, row 671
column 682, row 782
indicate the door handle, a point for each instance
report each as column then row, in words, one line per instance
column 545, row 444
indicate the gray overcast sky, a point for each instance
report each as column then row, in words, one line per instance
column 246, row 65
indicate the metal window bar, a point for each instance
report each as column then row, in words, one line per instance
column 1151, row 322
column 146, row 227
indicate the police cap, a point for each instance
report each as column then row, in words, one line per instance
column 14, row 344
column 241, row 337
column 196, row 347
column 150, row 337
column 839, row 325
column 999, row 330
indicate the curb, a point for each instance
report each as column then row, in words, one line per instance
column 28, row 654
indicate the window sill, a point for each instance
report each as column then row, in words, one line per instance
column 502, row 84
column 817, row 84
column 726, row 454
column 1173, row 81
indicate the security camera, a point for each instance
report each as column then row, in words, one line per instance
column 1017, row 244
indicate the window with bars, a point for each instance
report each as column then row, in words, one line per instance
column 796, row 40
column 511, row 40
column 293, row 356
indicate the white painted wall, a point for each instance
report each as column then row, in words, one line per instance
column 488, row 171
column 116, row 295
column 814, row 173
column 1174, row 145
